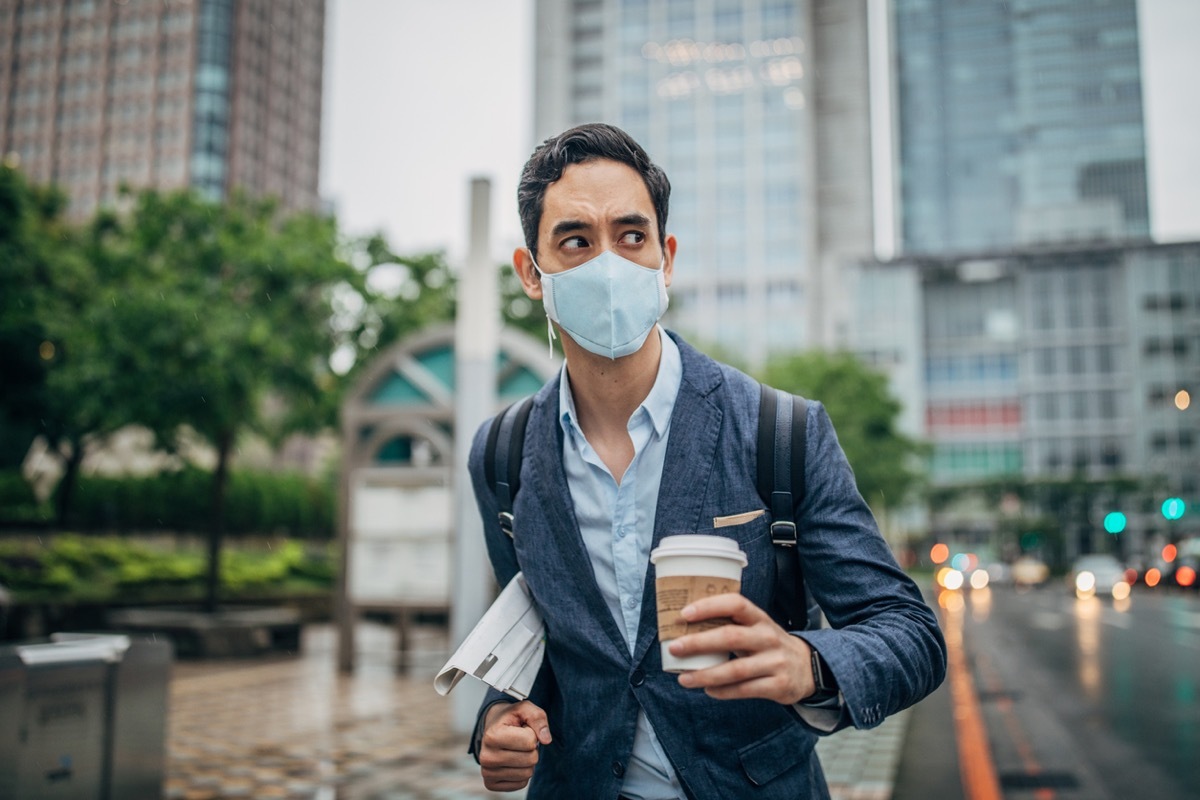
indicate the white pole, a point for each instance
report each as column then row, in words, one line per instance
column 476, row 337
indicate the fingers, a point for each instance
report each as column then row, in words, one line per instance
column 731, row 605
column 521, row 715
column 509, row 749
column 739, row 639
column 769, row 675
column 534, row 718
column 773, row 664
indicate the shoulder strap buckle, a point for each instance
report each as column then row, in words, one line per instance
column 783, row 533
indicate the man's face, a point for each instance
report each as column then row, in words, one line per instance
column 596, row 206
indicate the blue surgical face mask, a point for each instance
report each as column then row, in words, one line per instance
column 607, row 305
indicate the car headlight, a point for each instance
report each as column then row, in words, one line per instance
column 1085, row 581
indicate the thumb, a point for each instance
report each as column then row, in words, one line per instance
column 534, row 718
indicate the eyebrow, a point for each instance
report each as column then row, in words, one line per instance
column 572, row 225
column 568, row 226
column 633, row 219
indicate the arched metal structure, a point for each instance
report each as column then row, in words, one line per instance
column 395, row 511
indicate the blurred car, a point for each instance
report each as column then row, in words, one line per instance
column 1096, row 574
column 1029, row 571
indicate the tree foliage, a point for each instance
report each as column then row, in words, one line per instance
column 886, row 462
column 221, row 313
column 30, row 230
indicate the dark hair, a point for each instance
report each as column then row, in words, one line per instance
column 578, row 145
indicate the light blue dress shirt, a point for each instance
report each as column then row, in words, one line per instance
column 617, row 524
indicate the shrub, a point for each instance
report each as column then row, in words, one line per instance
column 255, row 503
column 69, row 568
column 18, row 504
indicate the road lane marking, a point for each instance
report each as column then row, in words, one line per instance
column 1188, row 618
column 1048, row 620
column 974, row 753
column 1016, row 733
column 1116, row 619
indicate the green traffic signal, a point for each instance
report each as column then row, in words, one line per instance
column 1173, row 508
column 1114, row 522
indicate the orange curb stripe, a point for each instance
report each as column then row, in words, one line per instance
column 974, row 753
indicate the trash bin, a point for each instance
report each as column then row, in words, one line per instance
column 83, row 716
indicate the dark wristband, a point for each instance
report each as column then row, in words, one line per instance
column 823, row 680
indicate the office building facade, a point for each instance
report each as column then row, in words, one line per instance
column 759, row 113
column 215, row 95
column 1018, row 123
column 1063, row 363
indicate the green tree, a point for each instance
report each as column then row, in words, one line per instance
column 402, row 295
column 30, row 222
column 224, row 323
column 57, row 385
column 886, row 463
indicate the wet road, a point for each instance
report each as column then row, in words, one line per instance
column 1084, row 698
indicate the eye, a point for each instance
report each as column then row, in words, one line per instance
column 574, row 243
column 633, row 237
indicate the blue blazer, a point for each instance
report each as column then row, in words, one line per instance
column 884, row 646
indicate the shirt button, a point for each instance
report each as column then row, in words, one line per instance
column 631, row 602
column 621, row 532
column 637, row 678
column 618, row 768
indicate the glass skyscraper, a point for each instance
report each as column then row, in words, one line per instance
column 209, row 94
column 1019, row 123
column 725, row 95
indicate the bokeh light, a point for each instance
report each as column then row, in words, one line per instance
column 1085, row 582
column 979, row 579
column 1182, row 399
column 953, row 580
column 1120, row 590
column 939, row 553
column 1168, row 553
column 1153, row 576
column 1185, row 576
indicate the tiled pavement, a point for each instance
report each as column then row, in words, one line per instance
column 295, row 728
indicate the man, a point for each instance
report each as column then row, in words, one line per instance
column 641, row 436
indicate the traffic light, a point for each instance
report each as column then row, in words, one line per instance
column 1173, row 508
column 1114, row 522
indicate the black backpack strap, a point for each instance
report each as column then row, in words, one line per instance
column 502, row 457
column 782, row 445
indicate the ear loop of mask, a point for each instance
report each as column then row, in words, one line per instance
column 550, row 335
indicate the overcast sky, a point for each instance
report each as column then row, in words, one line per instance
column 420, row 97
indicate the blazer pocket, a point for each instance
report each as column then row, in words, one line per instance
column 737, row 519
column 776, row 753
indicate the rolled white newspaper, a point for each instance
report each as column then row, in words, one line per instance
column 505, row 649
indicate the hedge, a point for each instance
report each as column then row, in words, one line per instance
column 255, row 503
column 73, row 568
column 18, row 503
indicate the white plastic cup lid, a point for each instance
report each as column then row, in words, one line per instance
column 698, row 544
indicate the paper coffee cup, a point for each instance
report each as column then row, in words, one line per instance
column 688, row 568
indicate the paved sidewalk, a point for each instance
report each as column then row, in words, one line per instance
column 295, row 728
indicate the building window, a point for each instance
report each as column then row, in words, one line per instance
column 1075, row 361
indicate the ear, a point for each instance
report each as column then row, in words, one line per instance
column 523, row 265
column 669, row 258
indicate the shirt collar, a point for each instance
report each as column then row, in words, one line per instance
column 659, row 404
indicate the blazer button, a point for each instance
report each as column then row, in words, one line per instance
column 637, row 678
column 618, row 768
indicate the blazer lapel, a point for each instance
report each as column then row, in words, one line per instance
column 560, row 529
column 691, row 455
